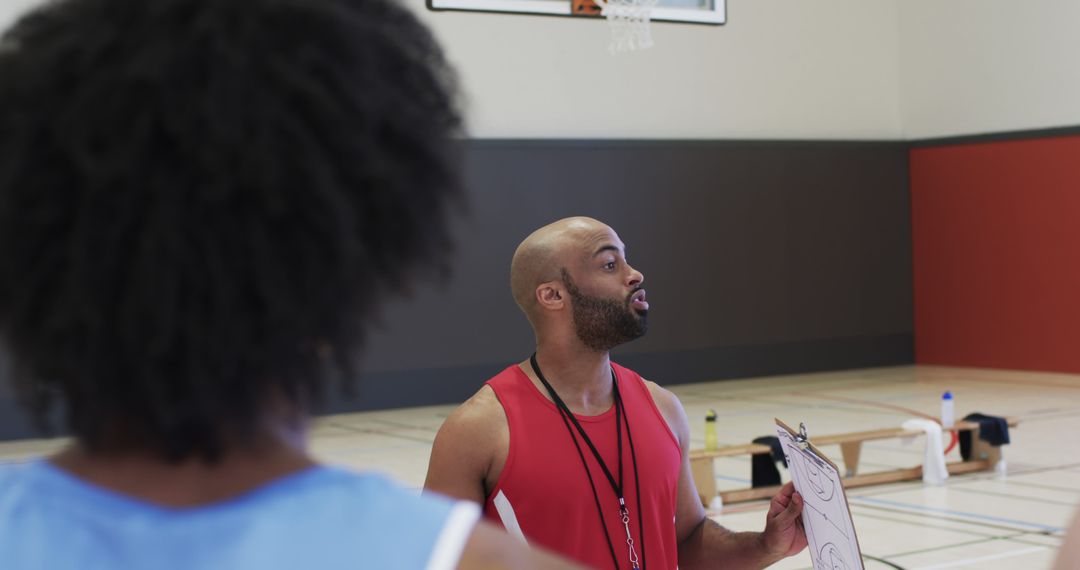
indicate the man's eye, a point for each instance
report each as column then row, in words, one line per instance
column 609, row 265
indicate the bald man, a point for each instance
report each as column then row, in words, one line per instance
column 570, row 451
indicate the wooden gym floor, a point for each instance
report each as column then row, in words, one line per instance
column 982, row 520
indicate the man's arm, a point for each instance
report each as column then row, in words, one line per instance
column 1069, row 555
column 705, row 544
column 470, row 444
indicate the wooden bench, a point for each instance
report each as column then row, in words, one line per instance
column 983, row 457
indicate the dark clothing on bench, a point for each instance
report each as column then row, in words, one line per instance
column 992, row 429
column 763, row 471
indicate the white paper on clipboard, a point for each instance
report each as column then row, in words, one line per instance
column 826, row 516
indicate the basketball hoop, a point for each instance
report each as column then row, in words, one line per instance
column 629, row 22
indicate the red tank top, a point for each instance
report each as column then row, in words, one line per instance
column 543, row 492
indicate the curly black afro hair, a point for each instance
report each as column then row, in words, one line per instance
column 202, row 203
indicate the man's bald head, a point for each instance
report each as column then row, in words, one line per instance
column 541, row 257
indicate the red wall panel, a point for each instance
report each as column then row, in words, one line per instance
column 996, row 246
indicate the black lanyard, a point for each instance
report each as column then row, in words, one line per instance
column 616, row 486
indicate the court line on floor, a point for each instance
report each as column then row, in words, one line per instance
column 1045, row 468
column 776, row 408
column 363, row 450
column 772, row 406
column 749, row 507
column 1050, row 418
column 876, row 404
column 1016, row 535
column 926, row 524
column 370, row 431
column 870, row 403
column 733, row 479
column 1046, row 487
column 963, row 514
column 987, row 558
column 883, row 466
column 950, row 518
column 774, row 386
column 1022, row 540
column 1019, row 384
column 986, row 540
column 760, row 395
column 960, row 489
column 408, row 426
column 912, row 449
column 913, row 484
column 954, row 481
column 860, row 512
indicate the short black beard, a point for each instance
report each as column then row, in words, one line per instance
column 603, row 324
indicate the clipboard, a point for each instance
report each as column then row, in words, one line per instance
column 826, row 515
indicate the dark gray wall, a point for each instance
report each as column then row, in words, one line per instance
column 759, row 258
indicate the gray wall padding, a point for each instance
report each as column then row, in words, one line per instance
column 759, row 258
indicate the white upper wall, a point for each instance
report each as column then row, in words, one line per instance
column 978, row 66
column 779, row 69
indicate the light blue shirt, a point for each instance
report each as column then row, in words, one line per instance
column 319, row 518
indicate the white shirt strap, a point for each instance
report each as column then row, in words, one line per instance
column 455, row 533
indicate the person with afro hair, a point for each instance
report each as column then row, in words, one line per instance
column 202, row 205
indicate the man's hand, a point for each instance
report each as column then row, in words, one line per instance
column 784, row 533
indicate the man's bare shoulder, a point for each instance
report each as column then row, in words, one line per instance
column 478, row 427
column 469, row 446
column 672, row 410
column 665, row 399
column 481, row 413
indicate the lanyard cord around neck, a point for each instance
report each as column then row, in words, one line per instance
column 617, row 486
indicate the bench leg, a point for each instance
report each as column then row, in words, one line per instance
column 704, row 474
column 980, row 450
column 851, row 451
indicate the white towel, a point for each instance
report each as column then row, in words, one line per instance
column 934, row 470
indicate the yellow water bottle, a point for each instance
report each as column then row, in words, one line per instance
column 711, row 442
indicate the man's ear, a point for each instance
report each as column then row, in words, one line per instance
column 551, row 296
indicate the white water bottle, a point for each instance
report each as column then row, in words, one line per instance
column 948, row 417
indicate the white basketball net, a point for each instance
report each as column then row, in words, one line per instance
column 629, row 21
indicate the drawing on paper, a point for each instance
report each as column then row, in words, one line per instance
column 826, row 517
column 832, row 559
